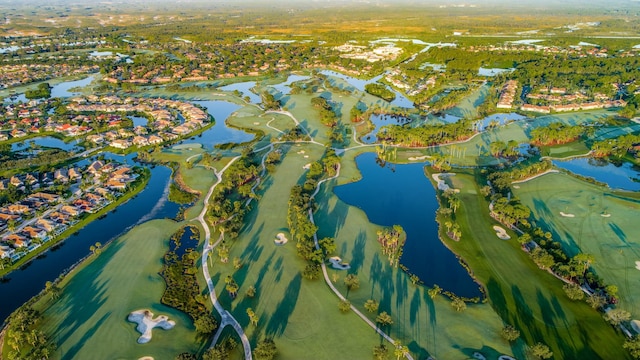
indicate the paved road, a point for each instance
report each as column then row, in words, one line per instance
column 226, row 317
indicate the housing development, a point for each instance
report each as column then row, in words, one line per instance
column 319, row 180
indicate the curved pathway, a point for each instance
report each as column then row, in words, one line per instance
column 226, row 317
column 330, row 284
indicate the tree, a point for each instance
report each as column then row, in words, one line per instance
column 380, row 352
column 52, row 289
column 384, row 319
column 186, row 356
column 573, row 291
column 541, row 351
column 205, row 324
column 633, row 345
column 596, row 301
column 510, row 333
column 616, row 316
column 344, row 305
column 252, row 316
column 237, row 263
column 458, row 304
column 400, row 350
column 251, row 291
column 371, row 305
column 265, row 350
column 434, row 291
column 352, row 282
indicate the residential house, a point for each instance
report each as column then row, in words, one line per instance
column 34, row 233
column 70, row 210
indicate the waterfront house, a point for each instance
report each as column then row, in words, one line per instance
column 34, row 233
column 70, row 210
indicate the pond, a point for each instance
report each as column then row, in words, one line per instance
column 245, row 89
column 400, row 100
column 492, row 71
column 219, row 133
column 625, row 176
column 47, row 142
column 285, row 87
column 380, row 120
column 404, row 196
column 62, row 89
column 186, row 242
column 150, row 203
column 139, row 121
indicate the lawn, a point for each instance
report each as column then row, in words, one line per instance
column 525, row 296
column 468, row 107
column 302, row 316
column 612, row 239
column 97, row 299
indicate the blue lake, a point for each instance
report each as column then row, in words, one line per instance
column 380, row 121
column 285, row 87
column 245, row 89
column 219, row 133
column 623, row 177
column 150, row 203
column 402, row 195
column 45, row 141
column 359, row 84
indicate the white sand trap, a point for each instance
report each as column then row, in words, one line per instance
column 146, row 358
column 516, row 186
column 146, row 323
column 505, row 357
column 307, row 166
column 501, row 233
column 567, row 215
column 281, row 239
column 605, row 215
column 336, row 263
column 417, row 158
column 301, row 152
column 638, row 265
column 635, row 325
column 439, row 179
column 479, row 356
column 256, row 123
column 306, row 156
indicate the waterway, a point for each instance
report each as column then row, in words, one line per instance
column 404, row 196
column 219, row 133
column 625, row 176
column 245, row 89
column 380, row 120
column 151, row 203
column 46, row 142
column 359, row 84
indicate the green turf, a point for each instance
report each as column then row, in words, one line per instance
column 468, row 107
column 525, row 296
column 89, row 320
column 612, row 240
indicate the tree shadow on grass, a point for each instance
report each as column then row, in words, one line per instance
column 357, row 253
column 280, row 318
column 486, row 351
column 71, row 353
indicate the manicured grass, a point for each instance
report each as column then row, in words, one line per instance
column 566, row 150
column 468, row 107
column 525, row 296
column 89, row 318
column 612, row 240
column 302, row 316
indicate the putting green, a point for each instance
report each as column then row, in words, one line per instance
column 612, row 239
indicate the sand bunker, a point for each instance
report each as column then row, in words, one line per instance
column 567, row 215
column 501, row 233
column 336, row 263
column 306, row 156
column 605, row 215
column 479, row 356
column 307, row 166
column 416, row 158
column 146, row 358
column 146, row 323
column 635, row 325
column 505, row 357
column 280, row 239
column 638, row 265
column 438, row 178
column 301, row 152
column 256, row 123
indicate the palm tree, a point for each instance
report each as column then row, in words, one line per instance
column 371, row 305
column 400, row 350
column 352, row 282
column 384, row 319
